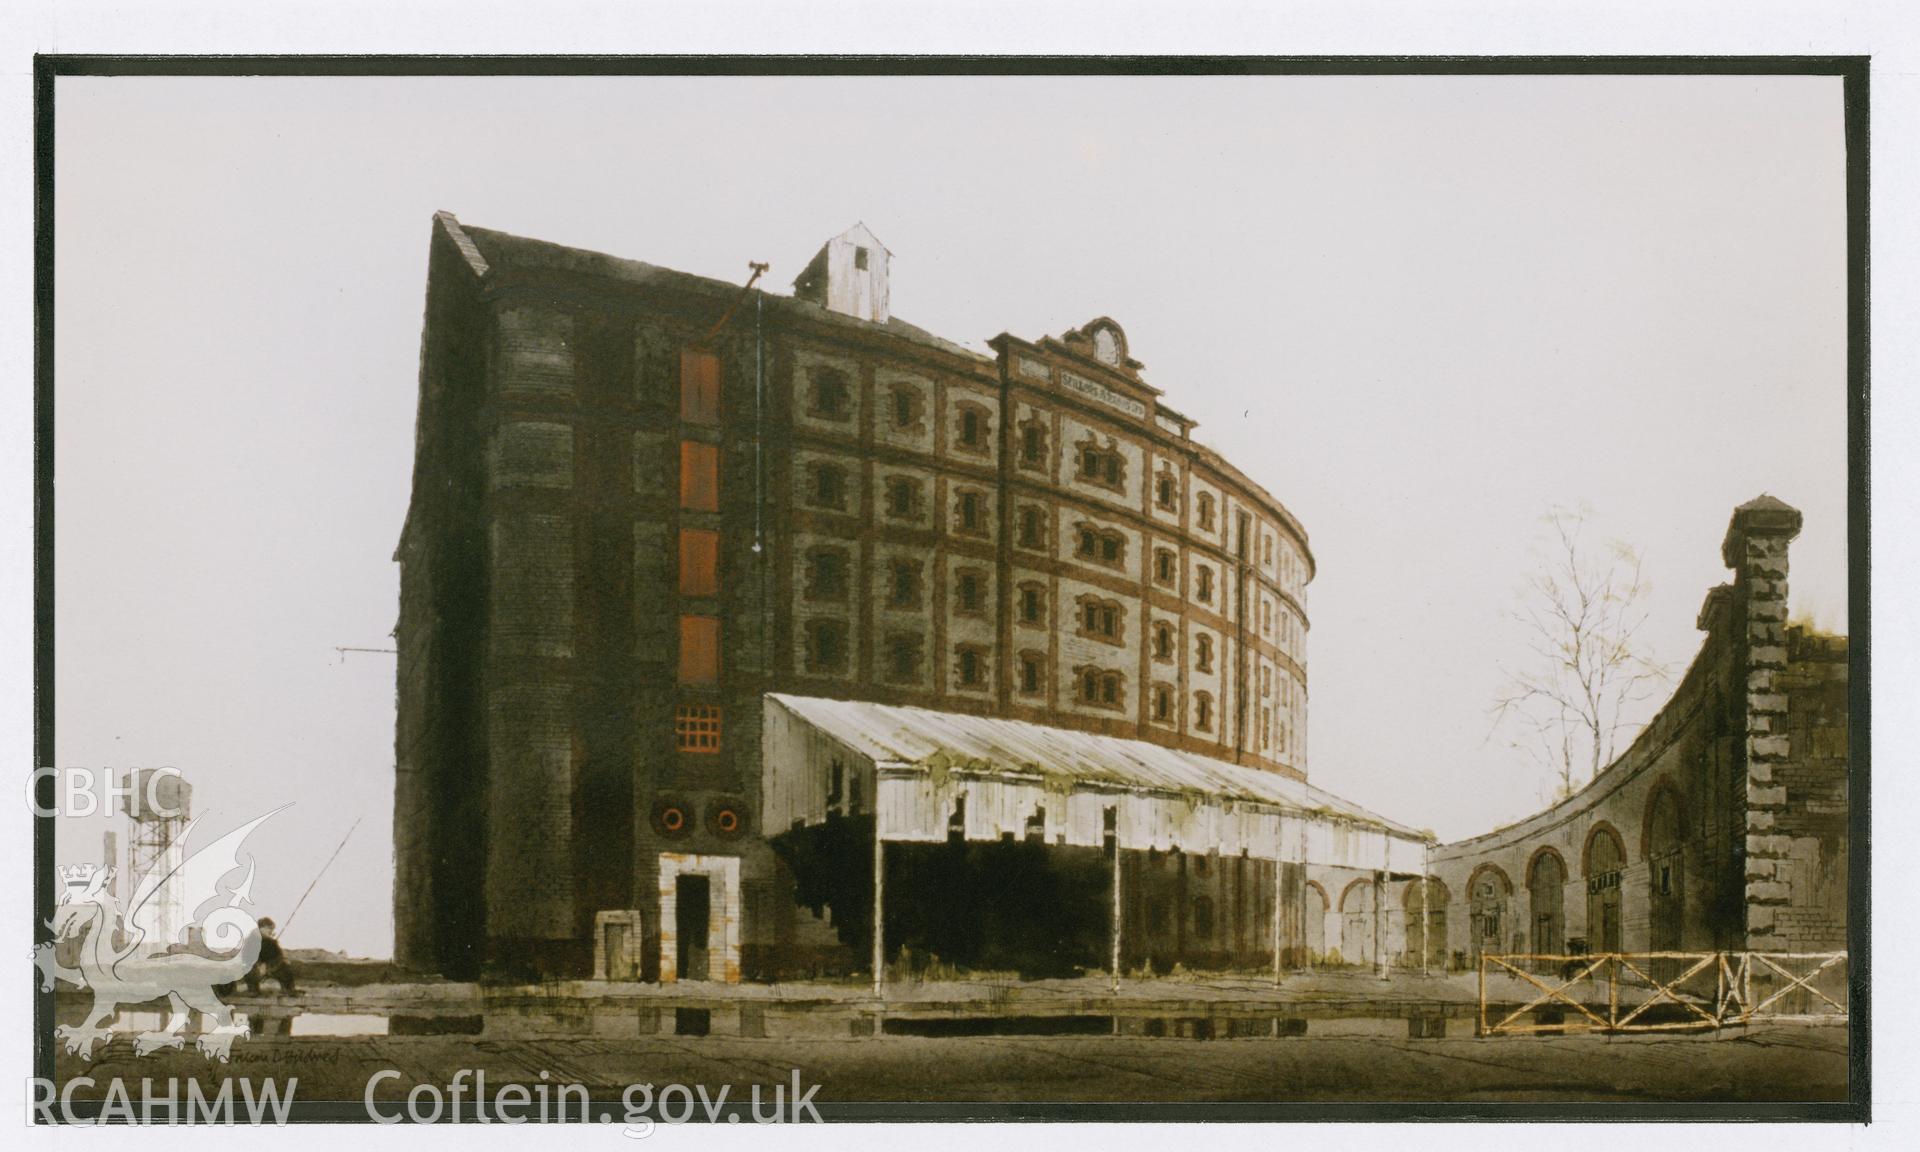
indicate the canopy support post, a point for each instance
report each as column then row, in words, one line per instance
column 879, row 908
column 1380, row 922
column 1118, row 915
column 1426, row 896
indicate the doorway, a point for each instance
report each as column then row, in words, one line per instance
column 1546, row 895
column 699, row 918
column 614, row 939
column 693, row 905
column 1605, row 859
column 1667, row 890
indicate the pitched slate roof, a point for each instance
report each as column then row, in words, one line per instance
column 502, row 251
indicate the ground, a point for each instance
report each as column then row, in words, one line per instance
column 1326, row 1037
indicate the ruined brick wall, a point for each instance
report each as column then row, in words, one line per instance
column 1727, row 814
column 1804, row 906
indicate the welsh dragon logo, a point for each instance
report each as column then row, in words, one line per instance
column 123, row 967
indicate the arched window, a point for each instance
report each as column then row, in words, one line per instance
column 971, row 428
column 970, row 591
column 970, row 666
column 1487, row 890
column 1546, row 897
column 1033, row 443
column 970, row 511
column 1101, row 619
column 1032, row 673
column 904, row 589
column 1101, row 464
column 1103, row 546
column 1100, row 687
column 1033, row 603
column 903, row 497
column 907, row 403
column 1033, row 526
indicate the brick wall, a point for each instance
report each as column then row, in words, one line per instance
column 1743, row 772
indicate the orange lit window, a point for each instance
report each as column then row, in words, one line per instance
column 699, row 476
column 699, row 562
column 696, row 727
column 699, row 649
column 699, row 387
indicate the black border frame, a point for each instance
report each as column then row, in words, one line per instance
column 1853, row 71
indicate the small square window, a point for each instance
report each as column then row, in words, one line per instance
column 696, row 727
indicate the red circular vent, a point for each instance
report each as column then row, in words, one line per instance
column 727, row 819
column 671, row 818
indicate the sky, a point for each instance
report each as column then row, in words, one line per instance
column 1421, row 311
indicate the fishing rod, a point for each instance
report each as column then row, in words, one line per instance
column 322, row 872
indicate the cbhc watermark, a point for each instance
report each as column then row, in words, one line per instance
column 86, row 791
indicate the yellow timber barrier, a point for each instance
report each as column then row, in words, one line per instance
column 1657, row 991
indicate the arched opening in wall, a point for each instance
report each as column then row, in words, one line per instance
column 1314, row 899
column 1426, row 908
column 1666, row 892
column 1601, row 864
column 1356, row 923
column 1546, row 897
column 1489, row 891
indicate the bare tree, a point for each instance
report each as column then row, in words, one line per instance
column 1581, row 611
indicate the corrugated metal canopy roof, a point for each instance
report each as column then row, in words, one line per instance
column 923, row 737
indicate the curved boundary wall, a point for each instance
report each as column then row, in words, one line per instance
column 1722, row 827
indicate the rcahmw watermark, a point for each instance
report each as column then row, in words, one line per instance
column 48, row 1103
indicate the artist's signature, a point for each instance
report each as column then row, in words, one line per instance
column 268, row 1055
